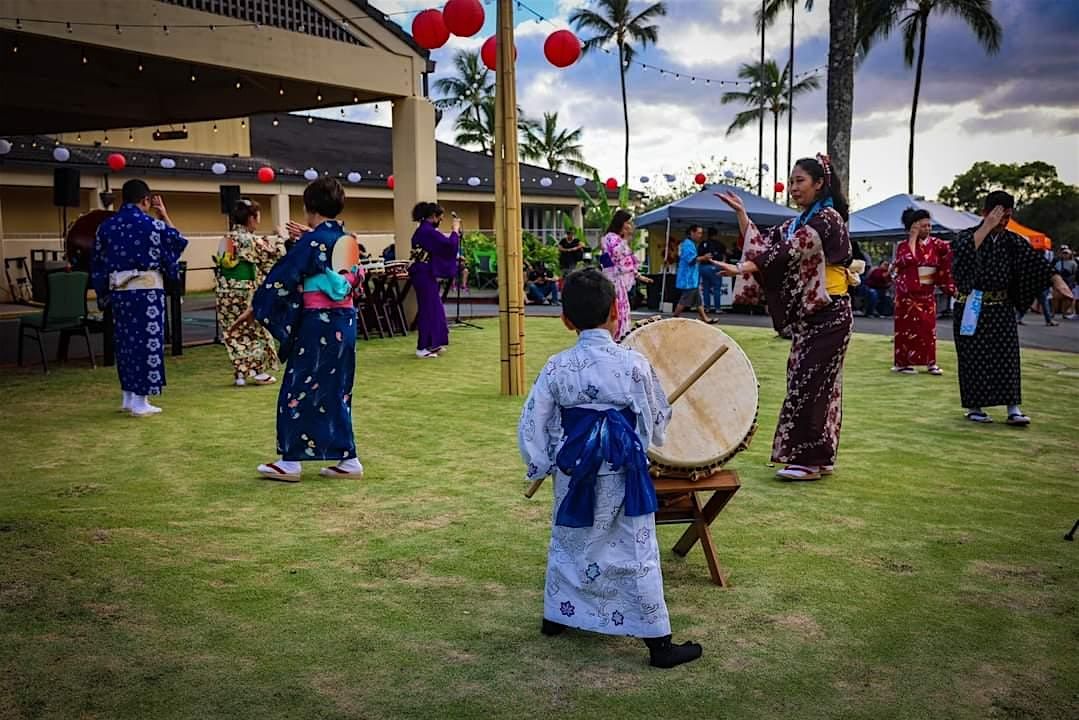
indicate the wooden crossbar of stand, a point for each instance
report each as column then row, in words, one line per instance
column 679, row 503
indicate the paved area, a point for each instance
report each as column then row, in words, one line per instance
column 199, row 327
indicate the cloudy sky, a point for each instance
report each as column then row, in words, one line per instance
column 1019, row 105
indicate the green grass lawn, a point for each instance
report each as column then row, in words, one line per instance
column 146, row 572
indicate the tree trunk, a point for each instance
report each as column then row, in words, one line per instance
column 841, row 47
column 914, row 105
column 625, row 108
column 790, row 103
column 760, row 124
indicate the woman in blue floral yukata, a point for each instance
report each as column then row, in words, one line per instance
column 306, row 302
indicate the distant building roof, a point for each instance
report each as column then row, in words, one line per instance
column 332, row 147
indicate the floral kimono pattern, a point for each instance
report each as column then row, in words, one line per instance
column 792, row 266
column 250, row 346
column 132, row 241
column 606, row 577
column 623, row 273
column 314, row 405
column 916, row 302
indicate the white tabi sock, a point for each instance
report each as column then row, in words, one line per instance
column 140, row 405
column 289, row 466
column 1014, row 410
column 351, row 465
column 125, row 405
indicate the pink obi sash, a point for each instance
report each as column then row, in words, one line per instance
column 322, row 301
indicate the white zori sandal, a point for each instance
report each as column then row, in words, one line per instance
column 273, row 471
column 344, row 469
column 799, row 472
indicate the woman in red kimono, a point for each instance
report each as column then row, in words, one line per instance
column 922, row 264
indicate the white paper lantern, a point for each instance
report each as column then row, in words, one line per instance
column 218, row 168
column 644, row 179
column 168, row 163
column 354, row 177
column 579, row 182
column 5, row 147
column 473, row 181
column 438, row 179
column 729, row 174
column 310, row 174
column 61, row 154
column 546, row 182
column 668, row 177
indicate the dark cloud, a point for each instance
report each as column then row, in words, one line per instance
column 1013, row 119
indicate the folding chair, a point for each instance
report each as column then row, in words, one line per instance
column 65, row 313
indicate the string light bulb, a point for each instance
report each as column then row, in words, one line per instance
column 275, row 121
column 106, row 139
column 243, row 123
column 215, row 127
column 280, row 88
column 310, row 120
column 68, row 28
column 318, row 96
column 85, row 59
column 355, row 98
column 238, row 84
column 78, row 137
column 130, row 135
column 194, row 77
column 140, row 65
column 118, row 30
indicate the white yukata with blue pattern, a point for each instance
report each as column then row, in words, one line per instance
column 605, row 578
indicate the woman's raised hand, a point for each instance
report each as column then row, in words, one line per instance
column 732, row 200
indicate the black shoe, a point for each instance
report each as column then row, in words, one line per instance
column 665, row 654
column 550, row 629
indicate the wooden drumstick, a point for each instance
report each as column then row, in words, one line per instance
column 671, row 399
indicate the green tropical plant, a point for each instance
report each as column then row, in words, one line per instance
column 598, row 211
column 556, row 147
column 536, row 250
column 878, row 18
column 468, row 89
column 768, row 94
column 615, row 21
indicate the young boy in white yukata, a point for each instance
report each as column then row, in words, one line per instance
column 588, row 421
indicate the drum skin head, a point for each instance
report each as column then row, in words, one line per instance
column 717, row 416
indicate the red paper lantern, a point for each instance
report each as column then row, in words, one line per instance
column 389, row 182
column 700, row 179
column 562, row 48
column 611, row 184
column 489, row 52
column 780, row 187
column 429, row 30
column 117, row 162
column 463, row 18
column 266, row 174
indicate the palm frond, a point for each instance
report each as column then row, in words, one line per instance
column 978, row 14
column 743, row 119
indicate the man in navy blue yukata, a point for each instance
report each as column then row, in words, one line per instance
column 133, row 254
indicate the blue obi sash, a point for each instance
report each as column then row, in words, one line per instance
column 592, row 438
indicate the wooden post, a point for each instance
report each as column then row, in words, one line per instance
column 508, row 210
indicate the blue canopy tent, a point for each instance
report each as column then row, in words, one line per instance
column 884, row 220
column 704, row 208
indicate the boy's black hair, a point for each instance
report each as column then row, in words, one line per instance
column 692, row 228
column 999, row 197
column 587, row 296
column 325, row 197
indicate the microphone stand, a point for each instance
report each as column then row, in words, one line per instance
column 457, row 321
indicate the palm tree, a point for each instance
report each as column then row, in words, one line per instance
column 768, row 93
column 479, row 129
column 880, row 17
column 558, row 148
column 467, row 90
column 614, row 21
column 767, row 15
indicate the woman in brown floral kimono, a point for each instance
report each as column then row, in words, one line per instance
column 244, row 258
column 802, row 268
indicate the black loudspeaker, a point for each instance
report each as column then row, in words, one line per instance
column 230, row 195
column 65, row 187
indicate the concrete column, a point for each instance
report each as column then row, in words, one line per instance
column 279, row 208
column 413, row 165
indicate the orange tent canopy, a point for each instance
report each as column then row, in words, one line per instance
column 1038, row 239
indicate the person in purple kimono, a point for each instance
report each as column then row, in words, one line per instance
column 434, row 256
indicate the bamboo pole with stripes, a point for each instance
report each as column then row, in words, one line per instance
column 508, row 210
